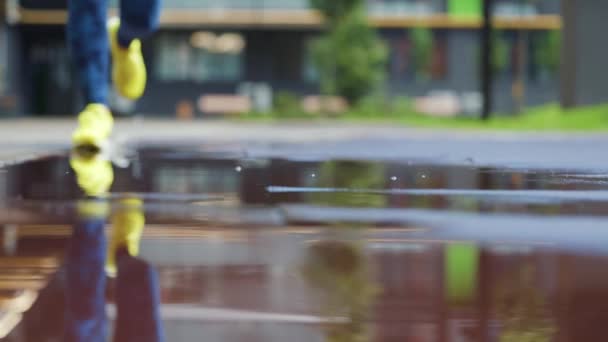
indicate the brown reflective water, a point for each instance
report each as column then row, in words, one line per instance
column 238, row 249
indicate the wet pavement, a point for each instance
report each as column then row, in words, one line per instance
column 255, row 247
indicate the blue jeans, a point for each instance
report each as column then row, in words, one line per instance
column 137, row 291
column 88, row 39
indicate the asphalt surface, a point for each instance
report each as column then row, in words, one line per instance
column 328, row 140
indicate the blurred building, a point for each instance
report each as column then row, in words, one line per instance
column 583, row 73
column 260, row 47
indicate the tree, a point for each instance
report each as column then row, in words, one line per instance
column 333, row 10
column 350, row 57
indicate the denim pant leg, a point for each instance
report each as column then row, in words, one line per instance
column 137, row 302
column 86, row 283
column 138, row 19
column 89, row 47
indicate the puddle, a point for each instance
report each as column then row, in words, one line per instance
column 251, row 249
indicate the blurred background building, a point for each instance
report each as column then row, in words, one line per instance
column 260, row 47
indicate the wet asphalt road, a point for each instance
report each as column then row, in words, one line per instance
column 350, row 237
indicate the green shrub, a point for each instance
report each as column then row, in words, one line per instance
column 381, row 106
column 287, row 105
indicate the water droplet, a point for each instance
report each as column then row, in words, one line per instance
column 238, row 169
column 393, row 178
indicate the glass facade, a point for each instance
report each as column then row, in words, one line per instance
column 234, row 4
column 514, row 8
column 379, row 7
column 418, row 54
column 404, row 7
column 3, row 59
column 310, row 73
column 457, row 8
column 200, row 57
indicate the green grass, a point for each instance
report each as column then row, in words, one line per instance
column 543, row 118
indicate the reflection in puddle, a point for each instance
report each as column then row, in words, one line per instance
column 522, row 308
column 340, row 272
column 227, row 249
column 90, row 260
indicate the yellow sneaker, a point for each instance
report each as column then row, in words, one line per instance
column 127, row 227
column 128, row 67
column 94, row 174
column 95, row 124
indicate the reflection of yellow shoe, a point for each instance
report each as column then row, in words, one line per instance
column 127, row 227
column 128, row 67
column 94, row 174
column 94, row 126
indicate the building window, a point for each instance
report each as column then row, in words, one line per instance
column 534, row 56
column 201, row 57
column 404, row 7
column 310, row 73
column 234, row 4
column 503, row 53
column 514, row 8
column 419, row 54
column 531, row 55
column 400, row 61
column 286, row 55
column 438, row 68
column 3, row 60
column 544, row 55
